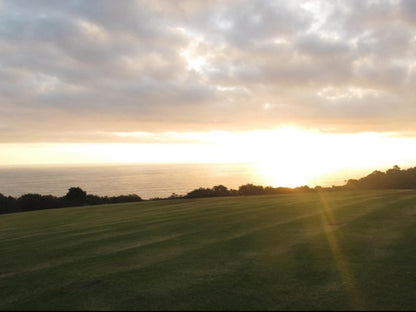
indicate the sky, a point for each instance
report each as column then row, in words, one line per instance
column 329, row 84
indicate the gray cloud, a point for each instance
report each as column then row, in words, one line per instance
column 72, row 68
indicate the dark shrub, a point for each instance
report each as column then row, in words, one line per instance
column 76, row 196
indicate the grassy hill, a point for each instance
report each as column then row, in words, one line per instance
column 336, row 250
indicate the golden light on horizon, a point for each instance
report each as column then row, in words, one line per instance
column 293, row 157
column 286, row 156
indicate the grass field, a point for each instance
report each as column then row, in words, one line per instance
column 337, row 251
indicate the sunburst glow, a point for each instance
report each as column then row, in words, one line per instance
column 281, row 157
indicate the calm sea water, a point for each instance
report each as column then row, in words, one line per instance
column 145, row 180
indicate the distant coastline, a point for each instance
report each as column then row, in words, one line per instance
column 394, row 178
column 148, row 180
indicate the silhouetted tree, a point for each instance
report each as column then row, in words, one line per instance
column 7, row 204
column 250, row 189
column 393, row 178
column 125, row 198
column 95, row 200
column 200, row 192
column 174, row 196
column 220, row 190
column 29, row 202
column 76, row 196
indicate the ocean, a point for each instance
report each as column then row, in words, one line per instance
column 146, row 180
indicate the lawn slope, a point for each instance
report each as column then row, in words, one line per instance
column 336, row 250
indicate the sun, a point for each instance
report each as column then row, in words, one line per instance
column 281, row 158
column 281, row 175
column 295, row 157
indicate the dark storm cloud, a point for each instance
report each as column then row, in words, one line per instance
column 74, row 68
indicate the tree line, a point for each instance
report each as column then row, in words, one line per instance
column 393, row 178
column 74, row 197
column 247, row 189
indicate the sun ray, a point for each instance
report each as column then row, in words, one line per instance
column 329, row 221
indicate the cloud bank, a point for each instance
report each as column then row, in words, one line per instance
column 81, row 71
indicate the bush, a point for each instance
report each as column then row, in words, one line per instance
column 7, row 204
column 251, row 189
column 76, row 196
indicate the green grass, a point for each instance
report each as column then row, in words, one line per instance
column 329, row 251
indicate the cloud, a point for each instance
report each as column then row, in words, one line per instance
column 70, row 70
